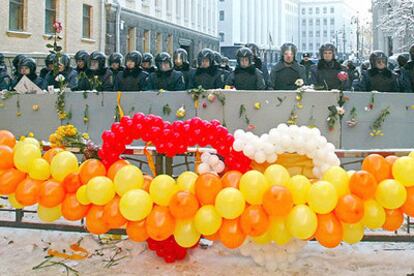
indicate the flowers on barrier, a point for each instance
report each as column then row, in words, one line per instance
column 376, row 127
column 354, row 118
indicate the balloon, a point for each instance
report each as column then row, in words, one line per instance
column 322, row 197
column 136, row 231
column 50, row 154
column 49, row 214
column 407, row 208
column 7, row 138
column 91, row 168
column 6, row 157
column 393, row 219
column 115, row 167
column 186, row 182
column 160, row 223
column 403, row 170
column 353, row 233
column 391, row 194
column 183, row 205
column 9, row 181
column 230, row 203
column 339, row 178
column 71, row 183
column 112, row 215
column 128, row 178
column 278, row 231
column 24, row 155
column 299, row 186
column 27, row 192
column 63, row 163
column 82, row 196
column 185, row 233
column 254, row 221
column 135, row 205
column 278, row 201
column 231, row 234
column 94, row 220
column 391, row 160
column 377, row 166
column 253, row 185
column 265, row 238
column 374, row 214
column 33, row 141
column 207, row 186
column 329, row 231
column 363, row 184
column 72, row 209
column 100, row 190
column 350, row 209
column 207, row 220
column 277, row 175
column 231, row 179
column 51, row 194
column 39, row 169
column 302, row 222
column 14, row 203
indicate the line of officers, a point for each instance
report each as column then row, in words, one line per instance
column 137, row 72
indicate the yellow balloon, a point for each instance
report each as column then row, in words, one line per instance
column 403, row 170
column 322, row 197
column 39, row 169
column 299, row 186
column 339, row 178
column 162, row 188
column 81, row 195
column 352, row 233
column 207, row 220
column 253, row 185
column 185, row 233
column 135, row 205
column 100, row 190
column 24, row 154
column 277, row 175
column 411, row 154
column 128, row 178
column 33, row 141
column 391, row 194
column 278, row 230
column 230, row 203
column 49, row 214
column 265, row 238
column 186, row 182
column 14, row 203
column 374, row 214
column 63, row 164
column 302, row 222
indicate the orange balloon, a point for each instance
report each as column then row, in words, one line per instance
column 136, row 231
column 72, row 183
column 6, row 157
column 147, row 182
column 277, row 201
column 94, row 220
column 231, row 179
column 329, row 232
column 160, row 223
column 115, row 167
column 27, row 192
column 112, row 216
column 377, row 166
column 48, row 156
column 9, row 180
column 90, row 169
column 7, row 138
column 207, row 186
column 391, row 159
column 363, row 184
column 407, row 208
column 72, row 209
column 254, row 221
column 51, row 193
column 183, row 205
column 349, row 209
column 213, row 237
column 231, row 234
column 393, row 219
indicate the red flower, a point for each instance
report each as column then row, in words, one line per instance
column 57, row 26
column 342, row 76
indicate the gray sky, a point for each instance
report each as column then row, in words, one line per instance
column 360, row 5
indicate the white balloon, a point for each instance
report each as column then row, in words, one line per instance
column 260, row 157
column 249, row 150
column 205, row 157
column 271, row 158
column 203, row 168
column 282, row 127
column 273, row 132
column 316, row 131
column 330, row 147
column 213, row 160
column 238, row 145
column 239, row 133
column 219, row 167
column 268, row 148
column 264, row 137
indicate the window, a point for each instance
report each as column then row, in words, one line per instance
column 303, row 11
column 87, row 21
column 318, row 33
column 318, row 45
column 303, row 22
column 318, row 22
column 170, row 44
column 317, row 10
column 186, row 9
column 221, row 15
column 310, row 22
column 221, row 37
column 16, row 8
column 332, row 33
column 169, row 7
column 303, row 46
column 332, row 21
column 132, row 39
column 303, row 33
column 50, row 15
column 146, row 41
column 325, row 10
column 158, row 42
column 325, row 21
column 310, row 10
column 178, row 8
column 158, row 4
column 310, row 33
column 332, row 9
column 325, row 33
column 311, row 46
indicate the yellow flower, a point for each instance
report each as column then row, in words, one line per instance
column 180, row 112
column 53, row 138
column 85, row 119
column 85, row 136
column 257, row 105
column 298, row 98
column 22, row 138
column 18, row 114
column 35, row 107
column 299, row 105
column 31, row 134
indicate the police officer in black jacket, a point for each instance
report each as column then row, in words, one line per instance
column 409, row 69
column 81, row 59
column 115, row 64
column 181, row 64
column 5, row 79
column 27, row 67
column 165, row 77
column 307, row 63
column 207, row 75
column 132, row 78
column 49, row 64
column 147, row 65
column 100, row 78
column 70, row 75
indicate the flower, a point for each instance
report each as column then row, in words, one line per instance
column 257, row 105
column 369, row 107
column 342, row 76
column 352, row 123
column 85, row 136
column 340, row 110
column 35, row 107
column 299, row 82
column 31, row 134
column 251, row 127
column 60, row 78
column 211, row 97
column 57, row 26
column 299, row 105
column 180, row 112
column 204, row 105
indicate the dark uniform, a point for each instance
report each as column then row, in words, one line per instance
column 31, row 64
column 246, row 78
column 258, row 62
column 131, row 79
column 169, row 80
column 15, row 62
column 49, row 60
column 284, row 74
column 409, row 69
column 208, row 78
column 99, row 79
column 147, row 63
column 70, row 74
column 225, row 65
column 308, row 65
column 184, row 67
column 82, row 56
column 115, row 58
column 5, row 79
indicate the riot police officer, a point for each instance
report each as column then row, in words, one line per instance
column 409, row 68
column 49, row 64
column 308, row 65
column 181, row 64
column 100, row 78
column 132, row 78
column 165, row 77
column 115, row 64
column 5, row 79
column 70, row 75
column 27, row 67
column 147, row 65
column 81, row 59
column 207, row 75
column 258, row 61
